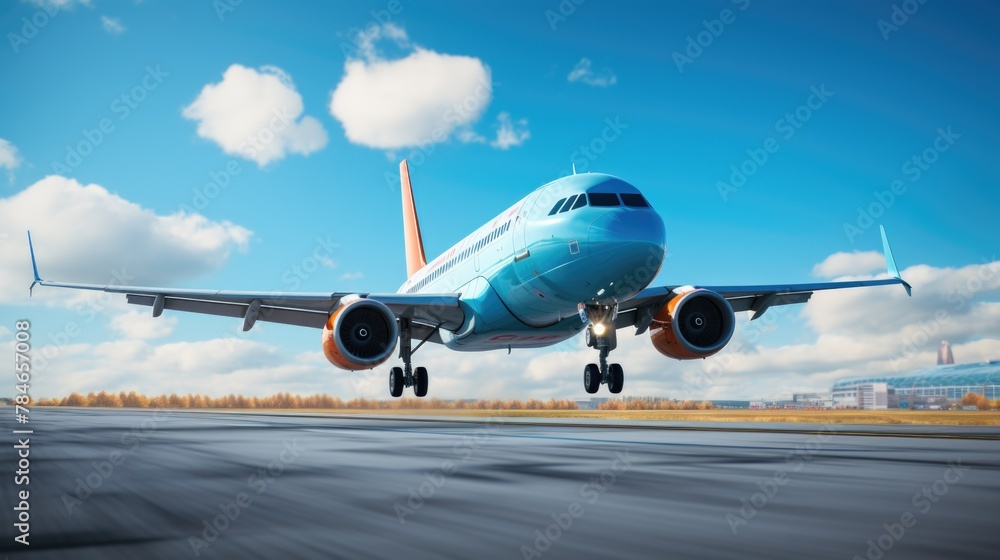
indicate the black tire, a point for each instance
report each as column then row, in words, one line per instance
column 396, row 382
column 420, row 387
column 617, row 381
column 591, row 378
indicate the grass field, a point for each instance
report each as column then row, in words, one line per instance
column 930, row 417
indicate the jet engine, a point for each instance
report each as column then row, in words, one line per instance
column 360, row 334
column 693, row 324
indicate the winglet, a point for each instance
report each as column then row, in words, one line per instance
column 890, row 263
column 412, row 240
column 34, row 265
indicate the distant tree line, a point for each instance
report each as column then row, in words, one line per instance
column 659, row 404
column 288, row 400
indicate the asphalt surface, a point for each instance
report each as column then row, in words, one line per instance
column 145, row 484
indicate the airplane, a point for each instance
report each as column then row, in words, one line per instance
column 576, row 255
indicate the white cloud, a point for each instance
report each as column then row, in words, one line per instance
column 584, row 72
column 138, row 324
column 9, row 158
column 420, row 99
column 510, row 133
column 112, row 25
column 132, row 245
column 850, row 264
column 467, row 135
column 255, row 114
column 352, row 276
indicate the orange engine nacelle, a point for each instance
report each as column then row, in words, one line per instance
column 694, row 324
column 360, row 334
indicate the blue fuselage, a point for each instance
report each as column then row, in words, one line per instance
column 583, row 239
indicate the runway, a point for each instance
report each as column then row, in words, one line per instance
column 146, row 484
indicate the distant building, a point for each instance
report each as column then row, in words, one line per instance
column 928, row 387
column 944, row 354
column 730, row 404
column 591, row 403
column 862, row 395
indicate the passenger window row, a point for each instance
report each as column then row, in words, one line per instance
column 461, row 257
column 633, row 200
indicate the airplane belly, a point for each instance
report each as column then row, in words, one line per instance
column 490, row 325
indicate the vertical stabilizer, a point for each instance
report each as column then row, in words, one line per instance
column 413, row 242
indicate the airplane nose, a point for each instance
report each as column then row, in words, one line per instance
column 623, row 239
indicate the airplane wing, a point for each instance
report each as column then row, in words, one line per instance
column 639, row 311
column 429, row 312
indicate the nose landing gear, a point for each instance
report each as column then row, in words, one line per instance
column 601, row 335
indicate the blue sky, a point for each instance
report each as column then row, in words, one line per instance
column 686, row 116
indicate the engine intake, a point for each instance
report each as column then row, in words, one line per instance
column 694, row 324
column 360, row 334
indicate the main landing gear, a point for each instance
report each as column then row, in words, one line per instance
column 602, row 336
column 407, row 376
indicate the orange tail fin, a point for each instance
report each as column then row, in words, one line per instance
column 413, row 242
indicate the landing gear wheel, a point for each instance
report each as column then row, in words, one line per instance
column 616, row 378
column 420, row 387
column 591, row 378
column 396, row 382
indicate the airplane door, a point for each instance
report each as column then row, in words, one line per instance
column 521, row 251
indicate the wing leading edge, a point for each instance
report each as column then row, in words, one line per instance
column 305, row 309
column 639, row 310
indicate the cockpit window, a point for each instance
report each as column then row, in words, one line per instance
column 634, row 200
column 557, row 206
column 581, row 201
column 569, row 204
column 603, row 199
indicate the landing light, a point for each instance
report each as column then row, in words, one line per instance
column 599, row 329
